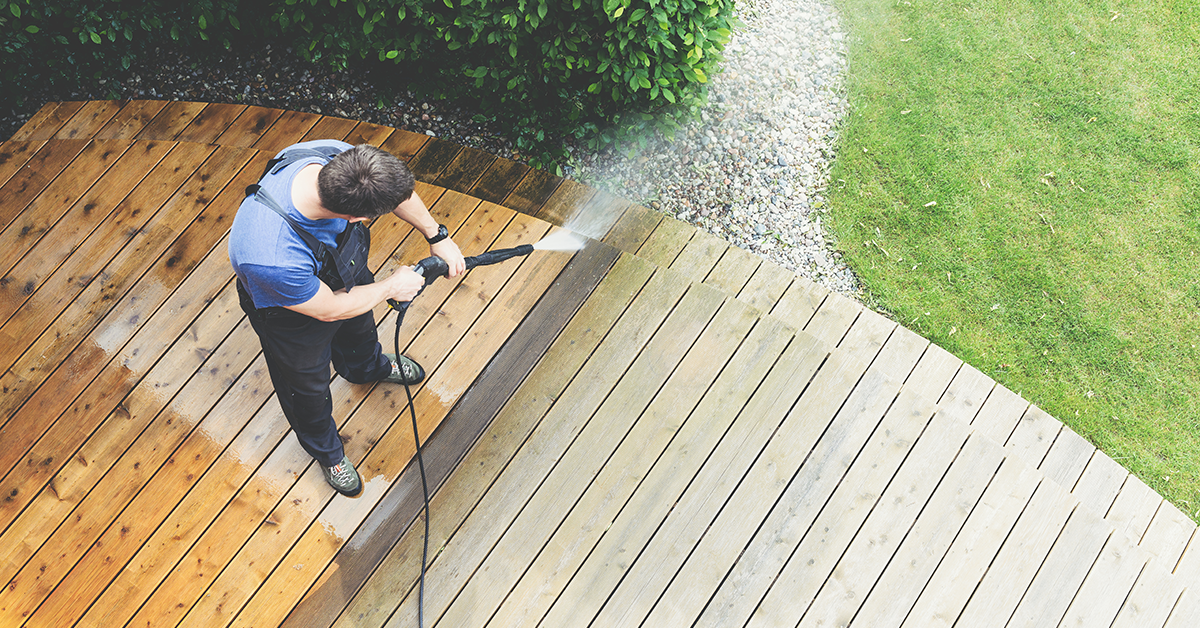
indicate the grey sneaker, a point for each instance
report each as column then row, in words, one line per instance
column 343, row 478
column 404, row 371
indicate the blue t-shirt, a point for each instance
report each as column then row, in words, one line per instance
column 276, row 267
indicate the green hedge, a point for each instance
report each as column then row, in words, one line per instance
column 590, row 68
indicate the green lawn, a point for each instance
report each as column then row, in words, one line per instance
column 1018, row 181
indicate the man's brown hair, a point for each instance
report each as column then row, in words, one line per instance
column 364, row 181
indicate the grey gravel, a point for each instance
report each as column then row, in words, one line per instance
column 755, row 167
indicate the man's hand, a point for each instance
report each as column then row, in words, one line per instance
column 448, row 250
column 404, row 284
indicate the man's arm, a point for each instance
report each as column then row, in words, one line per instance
column 414, row 212
column 327, row 305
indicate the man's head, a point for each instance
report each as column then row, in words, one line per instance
column 364, row 181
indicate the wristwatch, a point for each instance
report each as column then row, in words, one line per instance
column 442, row 234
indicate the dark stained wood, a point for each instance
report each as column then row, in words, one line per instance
column 14, row 156
column 466, row 168
column 367, row 133
column 90, row 118
column 633, row 228
column 532, row 192
column 210, row 123
column 568, row 200
column 434, row 157
column 24, row 186
column 499, row 180
column 172, row 120
column 405, row 144
column 131, row 119
column 402, row 504
column 287, row 128
column 249, row 127
column 45, row 123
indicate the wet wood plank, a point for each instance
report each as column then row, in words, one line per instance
column 14, row 156
column 47, row 121
column 172, row 120
column 28, row 183
column 666, row 242
column 498, row 181
column 90, row 118
column 131, row 119
column 249, row 127
column 405, row 144
column 285, row 130
column 328, row 127
column 596, row 217
column 632, row 228
column 465, row 169
column 532, row 192
column 568, row 199
column 434, row 157
column 367, row 133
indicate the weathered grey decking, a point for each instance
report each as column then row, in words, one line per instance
column 659, row 430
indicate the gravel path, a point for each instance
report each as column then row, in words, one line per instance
column 752, row 170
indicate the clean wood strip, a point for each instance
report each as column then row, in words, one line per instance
column 633, row 228
column 14, row 155
column 566, row 201
column 122, row 509
column 1107, row 585
column 691, row 515
column 899, row 586
column 131, row 119
column 285, row 130
column 249, row 127
column 877, row 541
column 465, row 169
column 1021, row 556
column 1060, row 578
column 700, row 256
column 450, row 443
column 443, row 388
column 1067, row 457
column 1153, row 598
column 171, row 121
column 627, row 535
column 59, row 198
column 1033, row 436
column 552, row 435
column 1101, row 481
column 89, row 120
column 766, row 286
column 41, row 169
column 46, row 122
column 966, row 394
column 814, row 477
column 998, row 417
column 532, row 192
column 967, row 560
column 666, row 242
column 596, row 217
column 503, row 438
column 574, row 470
column 678, row 405
column 798, row 304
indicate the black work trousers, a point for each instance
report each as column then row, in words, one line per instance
column 298, row 350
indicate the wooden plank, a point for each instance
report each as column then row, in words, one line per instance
column 465, row 169
column 1033, row 436
column 1152, row 599
column 404, row 144
column 171, row 121
column 645, row 576
column 633, row 228
column 329, row 127
column 626, row 535
column 766, row 286
column 498, row 181
column 597, row 216
column 532, row 191
column 521, row 415
column 89, row 120
column 838, row 560
column 699, row 256
column 449, row 444
column 1133, row 508
column 47, row 121
column 442, row 389
column 212, row 122
column 795, row 509
column 56, row 201
column 1061, row 576
column 998, row 417
column 41, row 169
column 733, row 272
column 666, row 242
column 933, row 372
column 248, row 127
column 131, row 119
column 798, row 304
column 1188, row 568
column 967, row 560
column 1107, row 585
column 966, row 394
column 285, row 130
column 434, row 157
column 1067, row 457
column 677, row 405
column 14, row 156
column 1010, row 573
column 367, row 133
column 867, row 336
column 1168, row 535
column 121, row 458
column 1187, row 610
column 1101, row 481
column 923, row 548
column 833, row 319
column 566, row 201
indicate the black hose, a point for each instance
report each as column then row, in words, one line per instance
column 412, row 410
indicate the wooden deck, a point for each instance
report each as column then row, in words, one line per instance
column 659, row 430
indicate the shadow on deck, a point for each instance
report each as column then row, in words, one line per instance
column 659, row 430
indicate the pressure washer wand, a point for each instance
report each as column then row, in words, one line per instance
column 434, row 267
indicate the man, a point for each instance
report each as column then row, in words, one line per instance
column 299, row 248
